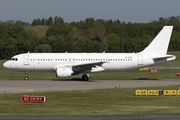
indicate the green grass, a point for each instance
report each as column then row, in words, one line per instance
column 2, row 62
column 92, row 102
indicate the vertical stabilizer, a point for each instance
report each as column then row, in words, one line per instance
column 161, row 42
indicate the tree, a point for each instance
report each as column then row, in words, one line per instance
column 44, row 48
column 133, row 31
column 38, row 21
column 16, row 31
column 19, row 22
column 3, row 34
column 100, row 21
column 62, row 46
column 95, row 46
column 83, row 45
column 162, row 21
column 96, row 33
column 50, row 21
column 34, row 23
column 2, row 46
column 58, row 20
column 43, row 22
column 60, row 29
column 37, row 31
column 89, row 22
column 105, row 46
column 23, row 46
column 113, row 42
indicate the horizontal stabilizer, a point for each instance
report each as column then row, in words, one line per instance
column 166, row 56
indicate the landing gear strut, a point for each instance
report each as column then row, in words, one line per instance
column 85, row 77
column 26, row 76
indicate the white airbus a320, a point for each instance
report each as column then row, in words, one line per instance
column 68, row 64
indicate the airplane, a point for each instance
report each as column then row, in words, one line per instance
column 68, row 64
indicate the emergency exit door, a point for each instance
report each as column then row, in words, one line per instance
column 26, row 59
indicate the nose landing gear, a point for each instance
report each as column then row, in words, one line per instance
column 26, row 76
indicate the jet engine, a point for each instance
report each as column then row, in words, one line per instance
column 64, row 72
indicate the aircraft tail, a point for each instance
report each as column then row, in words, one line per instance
column 161, row 42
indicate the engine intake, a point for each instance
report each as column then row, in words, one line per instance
column 64, row 72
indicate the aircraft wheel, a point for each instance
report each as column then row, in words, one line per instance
column 85, row 77
column 26, row 78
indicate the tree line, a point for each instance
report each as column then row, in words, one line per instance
column 89, row 35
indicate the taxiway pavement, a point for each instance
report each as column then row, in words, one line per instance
column 21, row 86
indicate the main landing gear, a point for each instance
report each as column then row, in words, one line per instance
column 26, row 76
column 85, row 77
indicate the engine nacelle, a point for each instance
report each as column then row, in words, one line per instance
column 64, row 72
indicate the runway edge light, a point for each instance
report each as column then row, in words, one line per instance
column 4, row 93
column 9, row 91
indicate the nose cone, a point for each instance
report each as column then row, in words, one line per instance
column 5, row 65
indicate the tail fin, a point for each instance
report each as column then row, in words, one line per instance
column 161, row 42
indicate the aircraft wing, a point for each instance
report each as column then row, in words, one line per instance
column 92, row 64
column 80, row 66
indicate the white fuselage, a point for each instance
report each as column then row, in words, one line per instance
column 48, row 62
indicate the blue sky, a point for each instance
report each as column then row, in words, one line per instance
column 141, row 11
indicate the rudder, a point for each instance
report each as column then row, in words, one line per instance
column 161, row 42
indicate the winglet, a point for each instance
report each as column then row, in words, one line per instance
column 161, row 42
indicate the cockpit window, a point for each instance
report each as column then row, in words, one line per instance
column 14, row 59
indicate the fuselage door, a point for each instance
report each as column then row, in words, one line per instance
column 140, row 60
column 26, row 59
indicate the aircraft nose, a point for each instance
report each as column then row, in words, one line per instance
column 5, row 65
